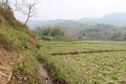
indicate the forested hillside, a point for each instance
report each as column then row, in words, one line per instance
column 87, row 32
column 109, row 27
column 103, row 32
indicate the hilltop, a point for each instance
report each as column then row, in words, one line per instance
column 117, row 19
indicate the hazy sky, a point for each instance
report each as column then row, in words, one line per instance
column 76, row 9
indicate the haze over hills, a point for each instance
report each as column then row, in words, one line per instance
column 112, row 19
column 118, row 19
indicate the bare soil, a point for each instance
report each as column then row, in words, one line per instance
column 7, row 57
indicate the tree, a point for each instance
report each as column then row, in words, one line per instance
column 4, row 3
column 26, row 8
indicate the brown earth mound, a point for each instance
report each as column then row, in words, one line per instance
column 7, row 57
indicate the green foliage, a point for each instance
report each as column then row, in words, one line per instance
column 13, row 38
column 48, row 38
column 102, row 32
column 38, row 44
column 54, row 33
column 87, row 32
column 9, row 36
column 50, row 31
column 29, row 68
column 12, row 32
column 56, row 38
column 57, row 74
column 15, row 35
column 85, row 62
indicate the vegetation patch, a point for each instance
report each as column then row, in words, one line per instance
column 84, row 52
column 16, row 36
column 54, row 33
column 55, row 71
column 85, row 68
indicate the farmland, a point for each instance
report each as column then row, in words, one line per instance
column 85, row 62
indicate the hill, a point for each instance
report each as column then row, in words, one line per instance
column 18, row 63
column 117, row 19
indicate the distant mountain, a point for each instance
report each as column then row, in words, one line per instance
column 67, row 24
column 118, row 19
column 39, row 23
column 115, row 19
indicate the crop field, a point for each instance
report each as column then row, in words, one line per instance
column 85, row 62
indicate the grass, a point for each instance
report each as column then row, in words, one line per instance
column 104, row 65
column 13, row 39
column 16, row 36
column 29, row 68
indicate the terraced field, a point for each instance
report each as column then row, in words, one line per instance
column 85, row 62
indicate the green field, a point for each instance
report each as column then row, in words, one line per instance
column 85, row 62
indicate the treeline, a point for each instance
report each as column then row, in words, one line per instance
column 87, row 32
column 102, row 32
column 52, row 33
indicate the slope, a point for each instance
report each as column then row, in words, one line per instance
column 18, row 63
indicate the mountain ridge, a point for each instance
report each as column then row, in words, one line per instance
column 117, row 19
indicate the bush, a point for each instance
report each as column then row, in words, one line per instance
column 9, row 36
column 48, row 38
column 38, row 44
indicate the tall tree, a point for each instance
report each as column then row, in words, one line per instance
column 26, row 8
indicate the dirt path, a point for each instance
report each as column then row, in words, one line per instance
column 45, row 74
